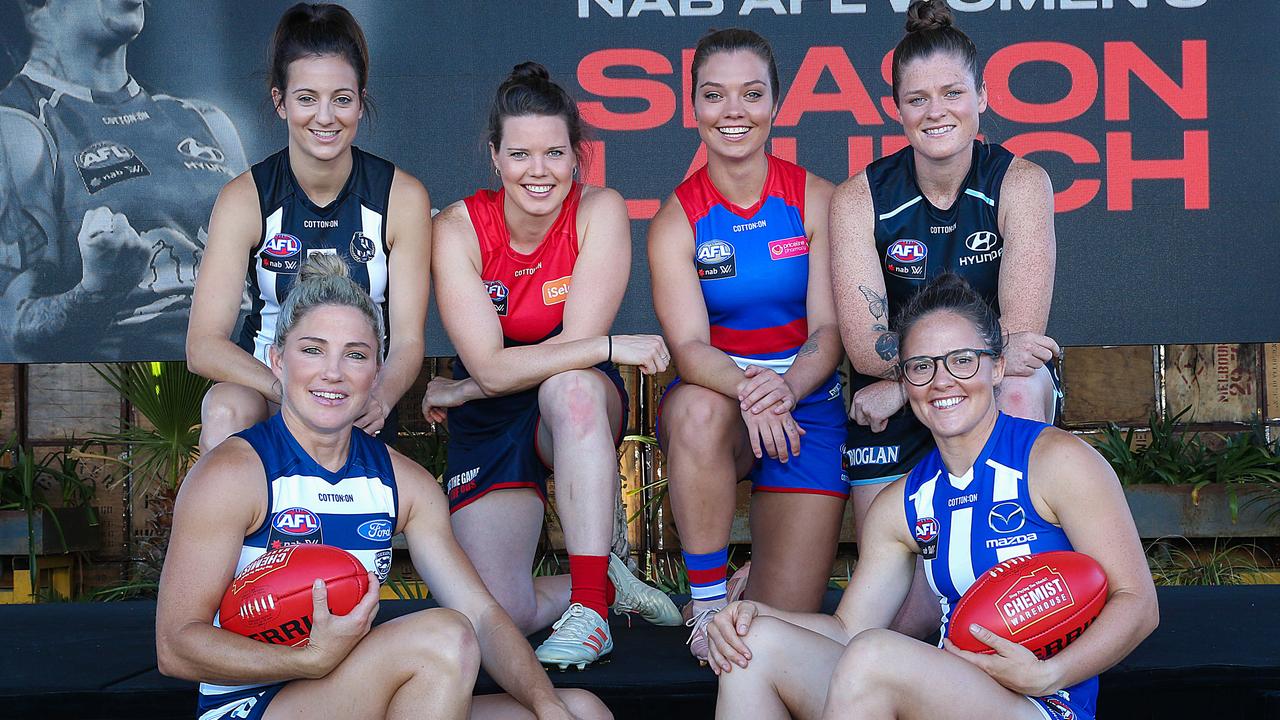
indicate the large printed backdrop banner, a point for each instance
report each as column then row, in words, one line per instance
column 1151, row 117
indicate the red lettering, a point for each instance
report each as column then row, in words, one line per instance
column 686, row 88
column 594, row 163
column 1082, row 93
column 1190, row 100
column 1192, row 169
column 890, row 144
column 659, row 99
column 1080, row 151
column 861, row 153
column 784, row 148
column 886, row 71
column 851, row 96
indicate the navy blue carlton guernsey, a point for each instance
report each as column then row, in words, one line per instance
column 965, row 525
column 353, row 227
column 917, row 241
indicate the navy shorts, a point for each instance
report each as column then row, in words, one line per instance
column 248, row 704
column 493, row 443
column 816, row 470
column 871, row 458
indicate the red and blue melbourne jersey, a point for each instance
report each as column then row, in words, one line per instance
column 965, row 525
column 753, row 265
column 528, row 290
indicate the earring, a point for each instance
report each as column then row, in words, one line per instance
column 496, row 171
column 575, row 172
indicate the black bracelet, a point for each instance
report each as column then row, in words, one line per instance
column 610, row 348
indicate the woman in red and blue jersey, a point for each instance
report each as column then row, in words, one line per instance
column 529, row 279
column 739, row 263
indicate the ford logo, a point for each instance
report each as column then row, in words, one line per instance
column 908, row 251
column 375, row 530
column 982, row 241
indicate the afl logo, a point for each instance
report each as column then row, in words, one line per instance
column 982, row 241
column 497, row 291
column 1059, row 708
column 926, row 530
column 375, row 530
column 194, row 149
column 282, row 246
column 296, row 521
column 908, row 251
column 714, row 251
column 103, row 153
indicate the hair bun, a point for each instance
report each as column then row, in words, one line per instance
column 929, row 15
column 323, row 265
column 527, row 71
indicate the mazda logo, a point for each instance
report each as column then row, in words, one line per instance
column 1007, row 517
column 982, row 241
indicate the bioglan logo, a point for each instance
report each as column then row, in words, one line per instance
column 872, row 455
column 556, row 291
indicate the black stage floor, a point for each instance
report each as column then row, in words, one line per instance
column 1215, row 655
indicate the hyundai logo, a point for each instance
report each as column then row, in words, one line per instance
column 982, row 241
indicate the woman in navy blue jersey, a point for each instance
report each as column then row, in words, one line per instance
column 947, row 202
column 986, row 466
column 320, row 195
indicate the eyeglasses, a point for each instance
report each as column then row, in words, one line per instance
column 962, row 364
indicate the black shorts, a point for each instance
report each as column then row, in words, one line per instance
column 493, row 443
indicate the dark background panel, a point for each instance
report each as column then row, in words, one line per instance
column 1155, row 273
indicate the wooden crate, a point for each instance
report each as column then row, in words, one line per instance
column 9, row 375
column 1220, row 382
column 1108, row 384
column 69, row 401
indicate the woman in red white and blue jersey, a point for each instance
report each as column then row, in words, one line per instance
column 739, row 263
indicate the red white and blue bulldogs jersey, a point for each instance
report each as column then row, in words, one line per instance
column 352, row 227
column 966, row 525
column 354, row 508
column 753, row 265
column 528, row 291
column 159, row 161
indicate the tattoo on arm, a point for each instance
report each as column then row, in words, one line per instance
column 887, row 344
column 810, row 347
column 876, row 303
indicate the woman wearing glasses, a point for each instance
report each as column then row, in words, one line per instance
column 774, row 663
column 945, row 202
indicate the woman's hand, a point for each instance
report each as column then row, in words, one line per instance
column 772, row 433
column 442, row 393
column 333, row 637
column 375, row 415
column 762, row 389
column 1012, row 665
column 725, row 635
column 1027, row 352
column 874, row 404
column 649, row 352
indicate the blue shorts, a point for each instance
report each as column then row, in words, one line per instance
column 1056, row 707
column 248, row 704
column 816, row 470
column 493, row 443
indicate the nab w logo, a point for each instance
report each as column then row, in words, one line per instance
column 282, row 246
column 297, row 521
column 714, row 251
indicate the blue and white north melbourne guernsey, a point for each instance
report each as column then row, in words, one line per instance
column 965, row 525
column 353, row 508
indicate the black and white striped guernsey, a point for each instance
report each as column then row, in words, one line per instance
column 353, row 227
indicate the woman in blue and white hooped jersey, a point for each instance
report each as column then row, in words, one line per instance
column 995, row 487
column 306, row 475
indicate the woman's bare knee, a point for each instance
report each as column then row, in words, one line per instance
column 585, row 705
column 441, row 639
column 574, row 401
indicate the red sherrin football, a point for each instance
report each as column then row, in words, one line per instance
column 270, row 599
column 1043, row 602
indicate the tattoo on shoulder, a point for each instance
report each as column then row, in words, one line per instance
column 810, row 347
column 878, row 304
column 887, row 346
